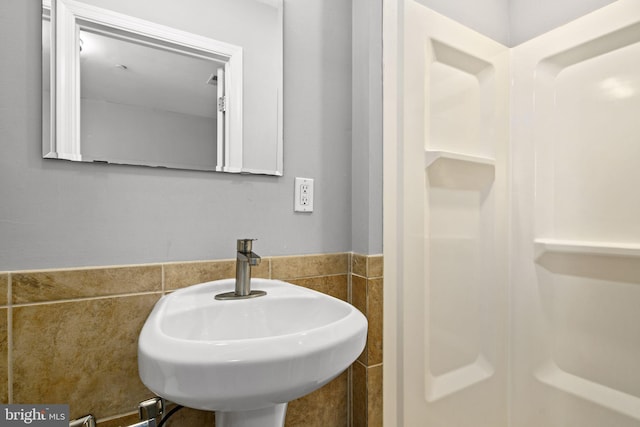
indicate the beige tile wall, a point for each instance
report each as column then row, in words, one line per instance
column 4, row 336
column 70, row 336
column 366, row 288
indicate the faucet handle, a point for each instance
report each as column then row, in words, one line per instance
column 245, row 245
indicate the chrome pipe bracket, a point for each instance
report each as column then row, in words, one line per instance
column 86, row 421
column 151, row 409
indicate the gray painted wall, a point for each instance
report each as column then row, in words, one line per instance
column 532, row 18
column 489, row 17
column 153, row 135
column 512, row 22
column 61, row 214
column 366, row 164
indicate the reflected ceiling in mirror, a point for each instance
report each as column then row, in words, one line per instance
column 162, row 99
column 130, row 91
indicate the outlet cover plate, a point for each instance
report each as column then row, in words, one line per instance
column 303, row 195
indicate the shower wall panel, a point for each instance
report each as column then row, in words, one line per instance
column 576, row 258
column 456, row 89
column 559, row 345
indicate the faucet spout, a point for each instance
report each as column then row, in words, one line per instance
column 252, row 258
column 244, row 262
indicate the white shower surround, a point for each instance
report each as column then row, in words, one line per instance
column 530, row 319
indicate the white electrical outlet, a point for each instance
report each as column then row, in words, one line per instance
column 303, row 195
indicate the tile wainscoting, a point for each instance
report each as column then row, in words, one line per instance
column 366, row 295
column 70, row 336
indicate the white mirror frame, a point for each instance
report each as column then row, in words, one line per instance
column 69, row 16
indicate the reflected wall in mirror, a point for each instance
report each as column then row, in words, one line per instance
column 120, row 88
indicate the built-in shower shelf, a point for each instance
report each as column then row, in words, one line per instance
column 448, row 169
column 587, row 247
column 432, row 156
column 600, row 394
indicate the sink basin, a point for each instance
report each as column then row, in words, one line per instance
column 247, row 355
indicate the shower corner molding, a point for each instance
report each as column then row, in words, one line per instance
column 587, row 247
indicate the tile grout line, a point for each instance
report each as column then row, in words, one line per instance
column 117, row 417
column 350, row 372
column 99, row 297
column 162, row 279
column 368, row 366
column 367, row 347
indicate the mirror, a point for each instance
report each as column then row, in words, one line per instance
column 120, row 88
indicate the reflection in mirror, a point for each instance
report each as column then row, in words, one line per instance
column 119, row 89
column 162, row 99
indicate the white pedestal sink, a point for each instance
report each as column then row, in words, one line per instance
column 245, row 359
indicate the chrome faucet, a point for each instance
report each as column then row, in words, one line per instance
column 245, row 259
